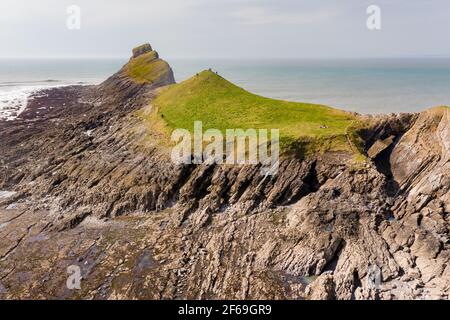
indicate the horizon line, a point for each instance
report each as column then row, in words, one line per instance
column 227, row 58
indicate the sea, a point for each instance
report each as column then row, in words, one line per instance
column 367, row 86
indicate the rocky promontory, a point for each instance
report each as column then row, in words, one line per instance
column 89, row 183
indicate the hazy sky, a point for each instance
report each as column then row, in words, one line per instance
column 225, row 28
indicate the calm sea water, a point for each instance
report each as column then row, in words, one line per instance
column 365, row 86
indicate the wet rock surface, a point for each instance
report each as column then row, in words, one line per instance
column 85, row 183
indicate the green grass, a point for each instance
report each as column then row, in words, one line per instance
column 146, row 68
column 222, row 105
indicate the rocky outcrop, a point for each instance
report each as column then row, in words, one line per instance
column 142, row 49
column 379, row 146
column 96, row 190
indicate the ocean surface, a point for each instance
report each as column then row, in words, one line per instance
column 365, row 86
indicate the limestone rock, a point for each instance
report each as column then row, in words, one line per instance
column 140, row 50
column 379, row 146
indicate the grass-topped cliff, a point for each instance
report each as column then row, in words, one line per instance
column 220, row 104
column 146, row 67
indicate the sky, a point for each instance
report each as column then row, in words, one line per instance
column 226, row 29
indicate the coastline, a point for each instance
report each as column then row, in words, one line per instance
column 95, row 188
column 14, row 103
column 370, row 86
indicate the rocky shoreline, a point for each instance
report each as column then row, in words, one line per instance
column 90, row 188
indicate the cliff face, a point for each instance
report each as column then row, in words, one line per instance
column 97, row 189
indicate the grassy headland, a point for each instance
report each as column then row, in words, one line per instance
column 219, row 104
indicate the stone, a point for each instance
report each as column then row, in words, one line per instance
column 142, row 49
column 379, row 146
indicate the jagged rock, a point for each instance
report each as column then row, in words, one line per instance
column 138, row 51
column 379, row 146
column 322, row 288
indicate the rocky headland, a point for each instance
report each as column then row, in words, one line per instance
column 85, row 180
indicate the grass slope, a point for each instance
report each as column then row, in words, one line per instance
column 146, row 68
column 222, row 105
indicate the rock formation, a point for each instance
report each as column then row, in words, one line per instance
column 138, row 51
column 88, row 184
